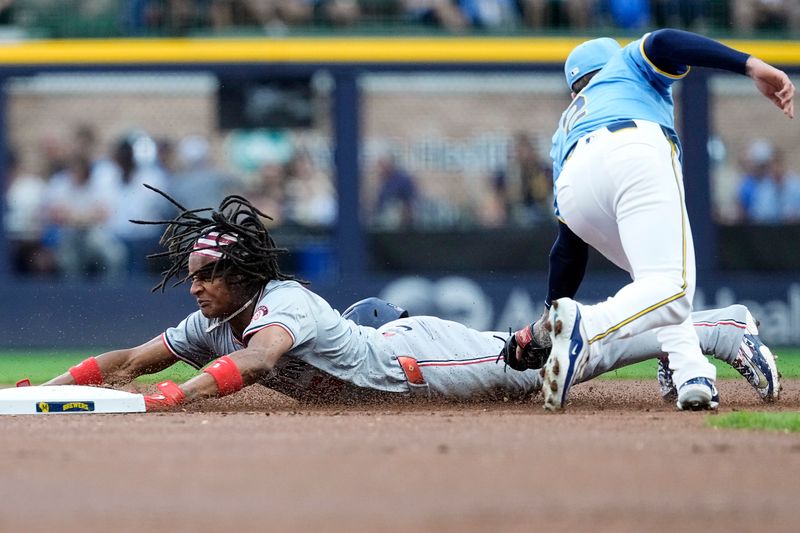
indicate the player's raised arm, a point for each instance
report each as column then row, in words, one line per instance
column 674, row 50
column 227, row 374
column 118, row 367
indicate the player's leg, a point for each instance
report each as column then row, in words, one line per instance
column 672, row 227
column 719, row 331
column 731, row 335
column 457, row 362
column 623, row 194
column 728, row 334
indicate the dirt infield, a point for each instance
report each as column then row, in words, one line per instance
column 617, row 460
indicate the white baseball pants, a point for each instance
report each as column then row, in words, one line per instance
column 622, row 193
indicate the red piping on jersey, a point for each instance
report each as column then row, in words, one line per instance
column 167, row 346
column 721, row 323
column 456, row 362
column 178, row 356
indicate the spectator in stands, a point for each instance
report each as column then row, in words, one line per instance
column 768, row 193
column 24, row 220
column 166, row 157
column 575, row 14
column 491, row 14
column 630, row 14
column 54, row 153
column 788, row 185
column 7, row 12
column 755, row 164
column 440, row 13
column 271, row 15
column 174, row 17
column 85, row 141
column 397, row 194
column 766, row 15
column 137, row 17
column 199, row 181
column 125, row 174
column 458, row 15
column 340, row 13
column 78, row 205
column 523, row 189
column 177, row 17
column 268, row 191
column 310, row 195
column 687, row 14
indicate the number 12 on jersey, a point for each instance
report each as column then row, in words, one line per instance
column 576, row 111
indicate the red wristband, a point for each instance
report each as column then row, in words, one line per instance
column 226, row 374
column 524, row 336
column 87, row 372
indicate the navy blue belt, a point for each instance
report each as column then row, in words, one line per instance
column 626, row 124
column 621, row 125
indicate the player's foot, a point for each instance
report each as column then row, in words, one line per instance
column 669, row 393
column 698, row 394
column 569, row 354
column 757, row 363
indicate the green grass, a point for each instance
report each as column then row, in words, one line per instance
column 786, row 422
column 788, row 364
column 40, row 366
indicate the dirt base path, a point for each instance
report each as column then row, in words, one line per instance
column 617, row 460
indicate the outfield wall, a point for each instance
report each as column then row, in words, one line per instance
column 96, row 316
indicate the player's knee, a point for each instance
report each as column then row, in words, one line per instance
column 674, row 298
column 679, row 309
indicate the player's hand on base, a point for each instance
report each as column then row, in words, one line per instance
column 772, row 83
column 169, row 396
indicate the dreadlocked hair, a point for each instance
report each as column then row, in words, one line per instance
column 251, row 259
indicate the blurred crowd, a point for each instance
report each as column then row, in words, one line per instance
column 759, row 187
column 182, row 17
column 768, row 191
column 517, row 193
column 70, row 217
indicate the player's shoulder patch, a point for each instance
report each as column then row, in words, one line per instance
column 260, row 312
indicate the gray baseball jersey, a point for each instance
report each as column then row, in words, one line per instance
column 334, row 358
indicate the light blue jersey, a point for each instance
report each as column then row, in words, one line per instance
column 628, row 87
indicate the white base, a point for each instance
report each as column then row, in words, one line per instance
column 68, row 399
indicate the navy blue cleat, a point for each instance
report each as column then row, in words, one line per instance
column 669, row 393
column 754, row 361
column 698, row 394
column 757, row 364
column 568, row 356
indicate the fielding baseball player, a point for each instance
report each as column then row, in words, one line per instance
column 257, row 324
column 619, row 188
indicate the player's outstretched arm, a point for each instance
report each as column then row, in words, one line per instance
column 772, row 83
column 118, row 367
column 226, row 374
column 674, row 50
